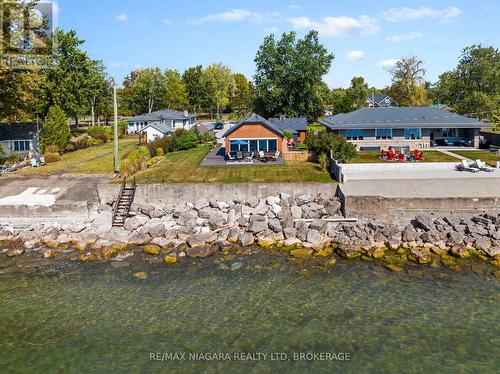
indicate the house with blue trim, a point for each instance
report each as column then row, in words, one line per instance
column 416, row 127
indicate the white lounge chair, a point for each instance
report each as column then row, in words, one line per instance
column 482, row 166
column 464, row 166
column 261, row 155
column 276, row 155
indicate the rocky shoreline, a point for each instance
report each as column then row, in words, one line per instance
column 304, row 226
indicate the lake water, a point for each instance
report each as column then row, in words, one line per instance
column 70, row 317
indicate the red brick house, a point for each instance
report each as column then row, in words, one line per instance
column 256, row 133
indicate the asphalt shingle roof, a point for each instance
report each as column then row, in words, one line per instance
column 255, row 118
column 292, row 124
column 163, row 127
column 400, row 117
column 18, row 131
column 160, row 115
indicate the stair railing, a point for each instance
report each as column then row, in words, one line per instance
column 117, row 202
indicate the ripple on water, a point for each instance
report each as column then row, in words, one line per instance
column 106, row 319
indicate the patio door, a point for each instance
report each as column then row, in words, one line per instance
column 253, row 145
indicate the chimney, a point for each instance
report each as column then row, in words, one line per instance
column 186, row 114
column 282, row 117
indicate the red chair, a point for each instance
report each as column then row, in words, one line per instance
column 401, row 157
column 383, row 154
column 391, row 155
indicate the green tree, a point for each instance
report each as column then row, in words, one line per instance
column 175, row 91
column 220, row 83
column 144, row 91
column 18, row 89
column 358, row 92
column 242, row 100
column 69, row 77
column 197, row 90
column 342, row 103
column 56, row 130
column 289, row 75
column 473, row 87
column 407, row 82
column 326, row 142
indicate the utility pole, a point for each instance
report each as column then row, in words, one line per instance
column 117, row 160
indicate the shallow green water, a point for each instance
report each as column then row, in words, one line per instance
column 68, row 317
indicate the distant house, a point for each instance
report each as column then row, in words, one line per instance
column 417, row 127
column 19, row 137
column 379, row 100
column 444, row 107
column 255, row 134
column 297, row 126
column 173, row 119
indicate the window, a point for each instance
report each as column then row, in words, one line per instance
column 253, row 145
column 21, row 145
column 233, row 147
column 262, row 145
column 354, row 134
column 383, row 134
column 271, row 145
column 412, row 133
column 448, row 133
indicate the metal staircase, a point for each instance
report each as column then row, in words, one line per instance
column 123, row 203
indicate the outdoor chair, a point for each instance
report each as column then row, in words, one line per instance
column 230, row 158
column 239, row 156
column 483, row 167
column 401, row 157
column 276, row 155
column 262, row 157
column 464, row 166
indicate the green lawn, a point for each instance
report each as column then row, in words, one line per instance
column 184, row 166
column 95, row 160
column 372, row 157
column 487, row 156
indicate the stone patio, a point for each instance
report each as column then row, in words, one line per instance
column 216, row 157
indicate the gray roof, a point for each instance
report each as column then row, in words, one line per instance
column 400, row 117
column 162, row 127
column 255, row 118
column 291, row 124
column 160, row 115
column 18, row 131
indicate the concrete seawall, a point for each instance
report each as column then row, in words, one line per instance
column 192, row 192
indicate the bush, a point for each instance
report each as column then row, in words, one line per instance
column 96, row 131
column 69, row 147
column 188, row 139
column 52, row 149
column 160, row 152
column 56, row 130
column 93, row 141
column 302, row 146
column 80, row 142
column 103, row 137
column 13, row 157
column 324, row 142
column 122, row 128
column 51, row 156
column 136, row 160
column 165, row 143
column 288, row 134
column 323, row 160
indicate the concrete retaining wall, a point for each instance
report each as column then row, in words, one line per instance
column 397, row 209
column 191, row 192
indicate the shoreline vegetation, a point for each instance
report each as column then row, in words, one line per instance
column 302, row 227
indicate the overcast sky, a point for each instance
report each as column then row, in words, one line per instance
column 364, row 36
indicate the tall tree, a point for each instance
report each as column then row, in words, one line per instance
column 197, row 90
column 99, row 87
column 289, row 74
column 407, row 80
column 56, row 130
column 144, row 90
column 358, row 92
column 242, row 100
column 68, row 78
column 175, row 91
column 220, row 82
column 18, row 89
column 473, row 87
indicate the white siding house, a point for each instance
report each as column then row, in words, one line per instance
column 172, row 118
column 18, row 138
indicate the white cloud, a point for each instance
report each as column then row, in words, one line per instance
column 337, row 27
column 293, row 6
column 238, row 15
column 271, row 30
column 355, row 55
column 404, row 37
column 123, row 17
column 410, row 14
column 386, row 64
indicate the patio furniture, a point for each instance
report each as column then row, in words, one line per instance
column 239, row 155
column 276, row 155
column 483, row 167
column 230, row 158
column 401, row 157
column 464, row 166
column 248, row 156
column 262, row 157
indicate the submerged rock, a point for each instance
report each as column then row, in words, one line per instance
column 394, row 267
column 301, row 252
column 141, row 275
column 199, row 251
column 151, row 250
column 170, row 259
